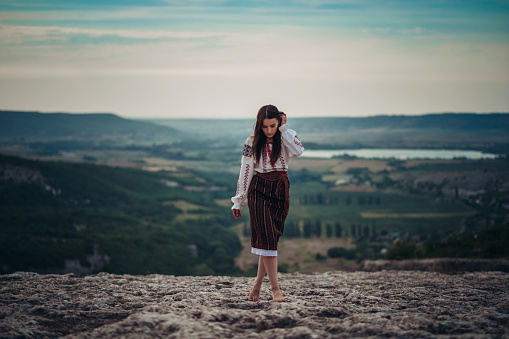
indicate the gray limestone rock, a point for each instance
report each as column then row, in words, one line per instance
column 445, row 265
column 396, row 304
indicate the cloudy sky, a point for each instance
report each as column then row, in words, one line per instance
column 213, row 58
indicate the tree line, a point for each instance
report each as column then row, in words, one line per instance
column 332, row 199
column 318, row 229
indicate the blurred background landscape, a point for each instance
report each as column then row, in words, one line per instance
column 122, row 125
column 96, row 192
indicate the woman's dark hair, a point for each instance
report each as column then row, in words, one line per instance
column 260, row 139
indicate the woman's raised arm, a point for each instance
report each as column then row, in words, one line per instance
column 291, row 142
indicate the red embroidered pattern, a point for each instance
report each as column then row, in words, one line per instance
column 246, row 179
column 282, row 159
column 297, row 141
column 269, row 153
column 264, row 161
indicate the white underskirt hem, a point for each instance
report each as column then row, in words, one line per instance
column 265, row 253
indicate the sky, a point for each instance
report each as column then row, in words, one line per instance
column 226, row 59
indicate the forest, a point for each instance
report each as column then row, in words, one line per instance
column 53, row 212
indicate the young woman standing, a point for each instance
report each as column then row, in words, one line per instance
column 263, row 185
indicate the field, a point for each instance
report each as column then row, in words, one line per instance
column 364, row 202
column 392, row 212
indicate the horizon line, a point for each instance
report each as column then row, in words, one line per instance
column 249, row 118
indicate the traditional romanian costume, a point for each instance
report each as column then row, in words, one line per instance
column 265, row 188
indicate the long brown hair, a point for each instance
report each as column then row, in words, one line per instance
column 260, row 139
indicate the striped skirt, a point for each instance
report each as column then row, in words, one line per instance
column 268, row 201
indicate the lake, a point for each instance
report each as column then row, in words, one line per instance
column 402, row 154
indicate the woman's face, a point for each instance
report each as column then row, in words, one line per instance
column 269, row 127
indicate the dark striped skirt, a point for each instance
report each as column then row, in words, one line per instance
column 268, row 201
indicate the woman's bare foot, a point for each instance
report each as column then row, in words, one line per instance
column 254, row 295
column 277, row 296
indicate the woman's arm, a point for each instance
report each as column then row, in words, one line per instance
column 245, row 176
column 290, row 140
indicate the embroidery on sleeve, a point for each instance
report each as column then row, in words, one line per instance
column 246, row 179
column 248, row 151
column 297, row 142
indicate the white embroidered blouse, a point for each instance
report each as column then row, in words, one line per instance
column 291, row 148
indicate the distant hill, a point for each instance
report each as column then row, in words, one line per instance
column 440, row 121
column 485, row 132
column 37, row 126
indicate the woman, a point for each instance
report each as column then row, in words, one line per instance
column 263, row 185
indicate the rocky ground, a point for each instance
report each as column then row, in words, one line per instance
column 406, row 304
column 444, row 265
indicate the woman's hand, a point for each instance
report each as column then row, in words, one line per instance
column 237, row 214
column 283, row 118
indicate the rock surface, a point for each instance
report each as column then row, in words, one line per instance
column 404, row 304
column 445, row 265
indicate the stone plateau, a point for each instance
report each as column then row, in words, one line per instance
column 396, row 304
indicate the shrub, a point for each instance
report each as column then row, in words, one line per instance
column 404, row 250
column 340, row 252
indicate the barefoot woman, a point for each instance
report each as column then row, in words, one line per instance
column 263, row 185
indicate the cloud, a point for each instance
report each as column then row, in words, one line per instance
column 284, row 51
column 401, row 55
column 24, row 34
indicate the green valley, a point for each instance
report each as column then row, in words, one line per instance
column 121, row 220
column 88, row 193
